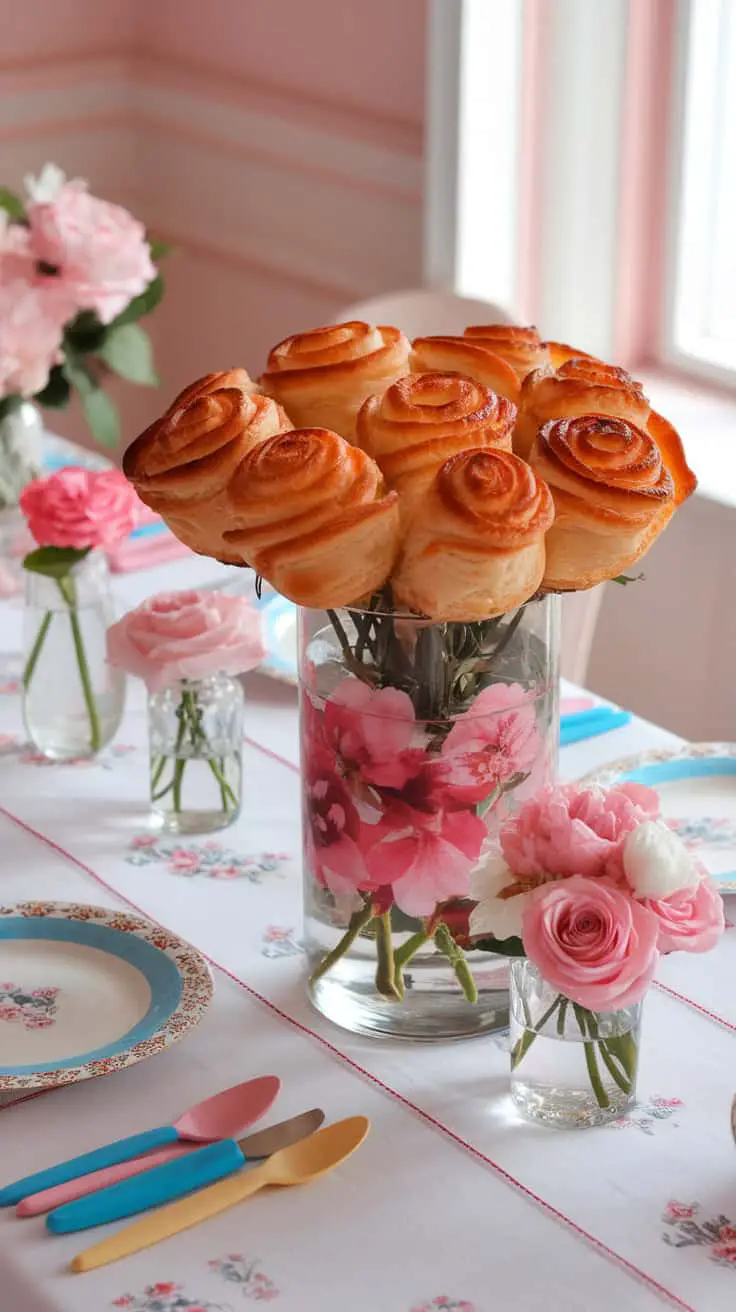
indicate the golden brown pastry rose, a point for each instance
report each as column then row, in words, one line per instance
column 182, row 464
column 323, row 377
column 581, row 386
column 315, row 518
column 476, row 547
column 422, row 420
column 476, row 360
column 522, row 348
column 613, row 494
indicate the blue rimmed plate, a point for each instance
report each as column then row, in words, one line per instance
column 85, row 991
column 697, row 788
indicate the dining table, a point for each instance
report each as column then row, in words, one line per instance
column 453, row 1203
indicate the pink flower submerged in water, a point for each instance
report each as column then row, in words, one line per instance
column 575, row 831
column 497, row 739
column 374, row 733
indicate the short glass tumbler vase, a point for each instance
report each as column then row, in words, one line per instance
column 195, row 729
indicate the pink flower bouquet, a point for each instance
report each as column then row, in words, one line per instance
column 591, row 887
column 174, row 641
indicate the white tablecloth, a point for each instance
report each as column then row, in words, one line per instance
column 453, row 1203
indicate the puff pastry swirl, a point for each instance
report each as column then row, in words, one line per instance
column 474, row 360
column 522, row 348
column 580, row 386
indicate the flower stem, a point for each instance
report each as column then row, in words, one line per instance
column 358, row 922
column 35, row 652
column 561, row 1017
column 360, row 670
column 584, row 1019
column 68, row 592
column 157, row 769
column 179, row 762
column 525, row 1042
column 409, row 949
column 385, row 970
column 445, row 943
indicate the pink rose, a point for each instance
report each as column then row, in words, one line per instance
column 372, row 730
column 80, row 508
column 568, row 830
column 494, row 740
column 592, row 942
column 99, row 249
column 690, row 920
column 32, row 319
column 186, row 635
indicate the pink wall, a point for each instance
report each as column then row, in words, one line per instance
column 59, row 29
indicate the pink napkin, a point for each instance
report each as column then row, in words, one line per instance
column 569, row 705
column 152, row 543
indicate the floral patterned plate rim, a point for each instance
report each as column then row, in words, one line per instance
column 87, row 990
column 697, row 787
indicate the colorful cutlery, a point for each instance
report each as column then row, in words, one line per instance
column 217, row 1117
column 299, row 1164
column 163, row 1183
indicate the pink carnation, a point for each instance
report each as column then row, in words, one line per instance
column 186, row 635
column 32, row 319
column 592, row 942
column 99, row 249
column 570, row 830
column 691, row 920
column 372, row 730
column 496, row 739
column 80, row 508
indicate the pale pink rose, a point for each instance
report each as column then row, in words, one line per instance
column 426, row 855
column 691, row 920
column 496, row 739
column 80, row 508
column 186, row 635
column 569, row 830
column 592, row 942
column 32, row 319
column 99, row 249
column 373, row 730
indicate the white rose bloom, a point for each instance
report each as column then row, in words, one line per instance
column 494, row 916
column 656, row 861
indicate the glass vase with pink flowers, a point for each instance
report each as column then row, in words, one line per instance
column 586, row 889
column 418, row 739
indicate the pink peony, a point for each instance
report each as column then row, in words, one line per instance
column 425, row 853
column 32, row 319
column 496, row 739
column 80, row 508
column 372, row 730
column 592, row 942
column 568, row 830
column 691, row 920
column 99, row 250
column 186, row 635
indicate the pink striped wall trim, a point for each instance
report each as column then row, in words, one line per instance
column 636, row 1272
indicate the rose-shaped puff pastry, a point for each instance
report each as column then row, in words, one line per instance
column 422, row 420
column 581, row 386
column 476, row 547
column 182, row 464
column 323, row 377
column 613, row 494
column 459, row 355
column 314, row 518
column 522, row 348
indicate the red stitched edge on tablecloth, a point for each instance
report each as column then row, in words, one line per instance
column 597, row 1244
column 664, row 988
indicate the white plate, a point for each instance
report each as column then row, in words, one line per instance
column 697, row 790
column 85, row 991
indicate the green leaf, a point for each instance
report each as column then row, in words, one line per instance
column 54, row 562
column 99, row 410
column 504, row 947
column 55, row 395
column 128, row 351
column 159, row 249
column 623, row 579
column 12, row 204
column 9, row 404
column 141, row 305
column 85, row 332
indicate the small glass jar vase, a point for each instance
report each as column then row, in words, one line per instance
column 72, row 699
column 569, row 1066
column 195, row 731
column 418, row 740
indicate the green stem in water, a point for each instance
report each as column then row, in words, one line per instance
column 385, row 969
column 157, row 768
column 179, row 763
column 358, row 922
column 525, row 1042
column 561, row 1017
column 583, row 1018
column 68, row 592
column 445, row 943
column 36, row 649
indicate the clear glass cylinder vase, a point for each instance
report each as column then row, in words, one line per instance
column 72, row 699
column 418, row 739
column 570, row 1067
column 195, row 731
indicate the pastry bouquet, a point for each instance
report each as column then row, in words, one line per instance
column 424, row 495
column 466, row 474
